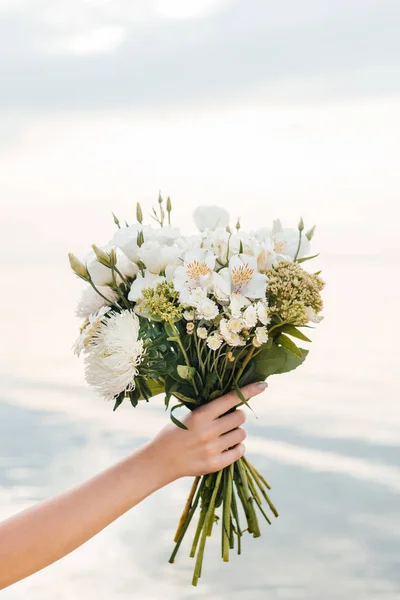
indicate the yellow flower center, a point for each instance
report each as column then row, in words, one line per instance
column 241, row 276
column 279, row 247
column 197, row 269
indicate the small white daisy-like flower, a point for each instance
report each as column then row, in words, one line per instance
column 262, row 334
column 188, row 315
column 256, row 343
column 196, row 296
column 231, row 338
column 114, row 355
column 250, row 316
column 90, row 329
column 214, row 341
column 90, row 301
column 207, row 309
column 235, row 324
column 262, row 313
column 202, row 333
column 190, row 327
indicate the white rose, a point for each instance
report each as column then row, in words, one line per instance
column 210, row 217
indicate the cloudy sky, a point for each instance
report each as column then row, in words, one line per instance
column 269, row 108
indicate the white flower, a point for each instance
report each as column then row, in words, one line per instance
column 196, row 272
column 312, row 315
column 190, row 327
column 157, row 256
column 91, row 301
column 286, row 241
column 242, row 277
column 235, row 324
column 102, row 275
column 262, row 313
column 196, row 296
column 87, row 333
column 188, row 315
column 262, row 335
column 126, row 239
column 207, row 309
column 231, row 338
column 115, row 354
column 148, row 281
column 250, row 316
column 202, row 333
column 210, row 217
column 256, row 343
column 214, row 341
column 237, row 302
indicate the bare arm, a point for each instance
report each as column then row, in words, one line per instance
column 39, row 536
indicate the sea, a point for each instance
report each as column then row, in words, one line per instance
column 326, row 436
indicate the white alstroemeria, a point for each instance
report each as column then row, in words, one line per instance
column 114, row 355
column 262, row 334
column 196, row 272
column 90, row 329
column 157, row 256
column 149, row 280
column 102, row 275
column 235, row 324
column 312, row 315
column 202, row 333
column 90, row 301
column 262, row 312
column 214, row 341
column 242, row 277
column 196, row 296
column 224, row 244
column 237, row 302
column 286, row 241
column 207, row 309
column 250, row 316
column 210, row 217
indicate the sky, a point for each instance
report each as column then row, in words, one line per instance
column 270, row 109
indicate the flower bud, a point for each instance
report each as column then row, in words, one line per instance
column 160, row 200
column 113, row 258
column 301, row 225
column 190, row 327
column 238, row 224
column 230, row 356
column 310, row 233
column 116, row 221
column 78, row 267
column 169, row 204
column 102, row 256
column 139, row 214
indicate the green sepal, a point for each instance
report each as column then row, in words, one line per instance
column 119, row 400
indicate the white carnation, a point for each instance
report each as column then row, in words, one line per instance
column 207, row 309
column 90, row 301
column 115, row 352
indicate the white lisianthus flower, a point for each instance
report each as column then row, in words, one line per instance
column 235, row 324
column 196, row 272
column 210, row 217
column 242, row 277
column 126, row 239
column 188, row 315
column 87, row 333
column 90, row 301
column 250, row 316
column 157, row 256
column 214, row 341
column 286, row 241
column 207, row 309
column 262, row 334
column 312, row 315
column 149, row 280
column 102, row 275
column 202, row 333
column 115, row 354
column 262, row 313
column 167, row 236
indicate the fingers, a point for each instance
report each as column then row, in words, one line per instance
column 218, row 407
column 230, row 456
column 230, row 421
column 228, row 440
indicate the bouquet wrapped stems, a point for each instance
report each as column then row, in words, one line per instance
column 238, row 484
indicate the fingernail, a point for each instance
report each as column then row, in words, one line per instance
column 262, row 385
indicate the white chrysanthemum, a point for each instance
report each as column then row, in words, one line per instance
column 250, row 316
column 87, row 333
column 214, row 341
column 262, row 335
column 207, row 309
column 262, row 313
column 90, row 301
column 235, row 324
column 114, row 355
column 202, row 333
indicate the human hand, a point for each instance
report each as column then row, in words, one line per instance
column 211, row 441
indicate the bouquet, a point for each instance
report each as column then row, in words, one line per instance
column 194, row 317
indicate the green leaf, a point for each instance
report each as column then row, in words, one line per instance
column 184, row 398
column 294, row 332
column 215, row 394
column 176, row 421
column 285, row 341
column 301, row 260
column 119, row 400
column 268, row 362
column 186, row 372
column 292, row 361
column 242, row 398
column 170, row 330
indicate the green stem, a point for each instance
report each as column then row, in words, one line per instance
column 100, row 294
column 226, row 521
column 235, row 515
column 187, row 522
column 245, row 363
column 298, row 246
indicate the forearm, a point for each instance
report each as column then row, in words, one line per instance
column 48, row 531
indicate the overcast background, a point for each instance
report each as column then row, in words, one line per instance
column 271, row 109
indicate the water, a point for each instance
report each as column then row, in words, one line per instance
column 327, row 437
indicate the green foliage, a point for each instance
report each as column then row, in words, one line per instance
column 285, row 341
column 176, row 421
column 294, row 332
